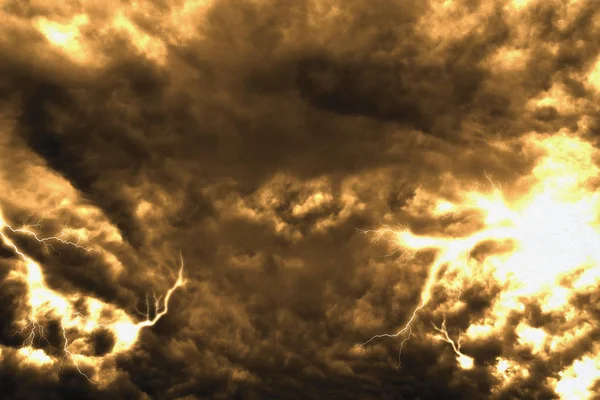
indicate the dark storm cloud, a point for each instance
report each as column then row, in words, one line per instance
column 28, row 382
column 326, row 92
column 327, row 113
column 399, row 85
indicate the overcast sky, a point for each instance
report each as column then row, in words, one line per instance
column 259, row 140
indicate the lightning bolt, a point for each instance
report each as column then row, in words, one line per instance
column 464, row 361
column 450, row 251
column 543, row 235
column 46, row 240
column 44, row 302
column 160, row 311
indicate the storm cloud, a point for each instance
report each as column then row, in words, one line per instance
column 259, row 139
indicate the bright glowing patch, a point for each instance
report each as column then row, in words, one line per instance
column 533, row 337
column 557, row 299
column 34, row 356
column 45, row 304
column 143, row 209
column 594, row 76
column 127, row 334
column 519, row 4
column 312, row 202
column 553, row 232
column 508, row 59
column 562, row 342
column 66, row 36
column 506, row 371
column 576, row 381
column 151, row 47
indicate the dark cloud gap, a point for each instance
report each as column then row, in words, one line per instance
column 64, row 147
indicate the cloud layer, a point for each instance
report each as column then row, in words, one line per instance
column 259, row 138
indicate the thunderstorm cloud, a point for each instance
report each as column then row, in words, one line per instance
column 266, row 199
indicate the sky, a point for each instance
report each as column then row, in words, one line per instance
column 308, row 199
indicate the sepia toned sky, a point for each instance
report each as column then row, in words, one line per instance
column 258, row 148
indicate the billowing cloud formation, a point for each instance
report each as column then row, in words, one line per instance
column 260, row 139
